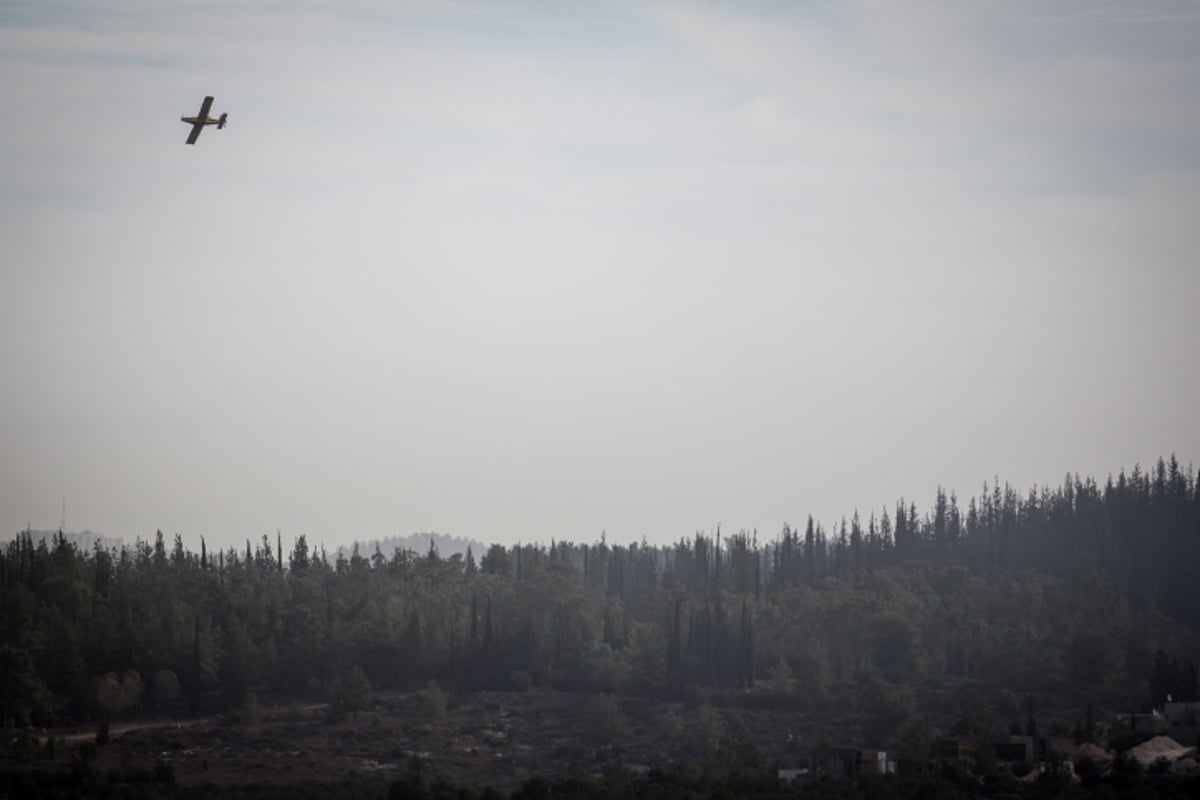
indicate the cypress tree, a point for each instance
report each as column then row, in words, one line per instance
column 194, row 699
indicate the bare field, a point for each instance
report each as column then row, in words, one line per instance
column 485, row 738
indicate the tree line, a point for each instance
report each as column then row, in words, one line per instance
column 1083, row 589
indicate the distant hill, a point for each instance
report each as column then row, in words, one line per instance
column 446, row 545
column 85, row 540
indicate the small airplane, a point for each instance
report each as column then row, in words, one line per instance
column 200, row 120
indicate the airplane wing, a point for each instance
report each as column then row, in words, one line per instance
column 195, row 134
column 198, row 125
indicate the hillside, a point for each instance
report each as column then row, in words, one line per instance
column 1064, row 603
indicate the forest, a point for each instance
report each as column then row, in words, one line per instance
column 883, row 628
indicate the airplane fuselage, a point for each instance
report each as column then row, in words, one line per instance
column 219, row 121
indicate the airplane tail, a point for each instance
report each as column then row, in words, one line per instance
column 221, row 121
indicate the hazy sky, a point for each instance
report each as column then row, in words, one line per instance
column 532, row 270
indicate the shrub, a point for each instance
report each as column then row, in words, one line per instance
column 357, row 690
column 781, row 678
column 434, row 700
column 606, row 723
column 54, row 746
column 1160, row 766
column 248, row 713
column 351, row 692
column 708, row 730
column 118, row 694
column 672, row 725
column 21, row 743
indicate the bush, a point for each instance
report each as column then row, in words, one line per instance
column 782, row 682
column 606, row 723
column 914, row 741
column 887, row 707
column 708, row 730
column 672, row 725
column 351, row 692
column 21, row 743
column 1161, row 766
column 118, row 694
column 1055, row 776
column 358, row 690
column 434, row 700
column 248, row 714
column 54, row 746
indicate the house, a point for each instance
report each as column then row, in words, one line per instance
column 1152, row 723
column 1182, row 713
column 793, row 775
column 1049, row 747
column 1017, row 750
column 851, row 761
column 1185, row 734
column 951, row 752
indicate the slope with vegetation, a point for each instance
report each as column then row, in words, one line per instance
column 883, row 629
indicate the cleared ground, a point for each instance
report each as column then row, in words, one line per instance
column 485, row 738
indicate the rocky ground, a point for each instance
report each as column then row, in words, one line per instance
column 487, row 738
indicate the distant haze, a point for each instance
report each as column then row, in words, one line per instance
column 522, row 271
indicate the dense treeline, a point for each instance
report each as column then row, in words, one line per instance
column 1084, row 591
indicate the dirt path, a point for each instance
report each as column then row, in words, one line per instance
column 119, row 729
column 77, row 735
